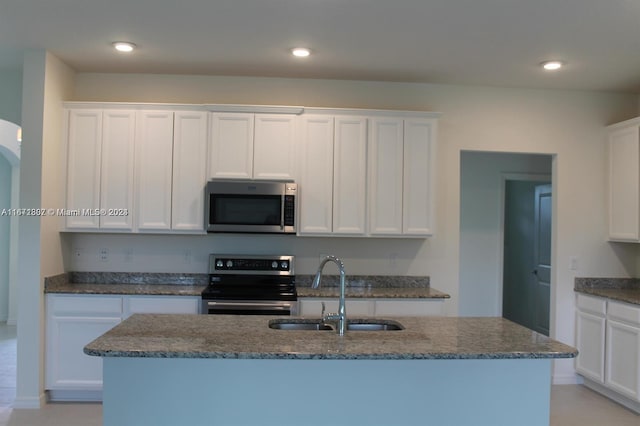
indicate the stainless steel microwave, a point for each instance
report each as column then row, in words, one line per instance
column 250, row 206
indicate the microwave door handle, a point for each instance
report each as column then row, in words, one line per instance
column 282, row 207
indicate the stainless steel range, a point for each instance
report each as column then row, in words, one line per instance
column 250, row 285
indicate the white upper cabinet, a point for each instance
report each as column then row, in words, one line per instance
column 100, row 155
column 624, row 181
column 386, row 162
column 252, row 146
column 349, row 176
column 401, row 174
column 189, row 170
column 84, row 137
column 419, row 176
column 231, row 147
column 154, row 170
column 116, row 177
column 316, row 175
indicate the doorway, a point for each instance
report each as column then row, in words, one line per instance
column 10, row 140
column 527, row 253
column 482, row 198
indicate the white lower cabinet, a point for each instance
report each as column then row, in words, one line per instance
column 608, row 341
column 73, row 321
column 623, row 350
column 356, row 307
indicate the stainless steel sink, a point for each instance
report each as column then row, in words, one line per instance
column 299, row 325
column 375, row 326
column 365, row 324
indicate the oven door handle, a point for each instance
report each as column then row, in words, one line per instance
column 252, row 305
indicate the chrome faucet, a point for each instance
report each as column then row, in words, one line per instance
column 341, row 316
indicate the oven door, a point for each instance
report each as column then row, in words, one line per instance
column 249, row 307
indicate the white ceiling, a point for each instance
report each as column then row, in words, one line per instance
column 481, row 42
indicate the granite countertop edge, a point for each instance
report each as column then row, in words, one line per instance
column 620, row 289
column 249, row 337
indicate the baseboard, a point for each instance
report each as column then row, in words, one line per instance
column 620, row 399
column 74, row 396
column 29, row 403
column 566, row 379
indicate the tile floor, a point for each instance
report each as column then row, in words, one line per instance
column 571, row 405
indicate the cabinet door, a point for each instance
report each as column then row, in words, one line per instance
column 316, row 175
column 189, row 171
column 623, row 359
column 84, row 140
column 409, row 308
column 231, row 146
column 590, row 332
column 154, row 157
column 349, row 175
column 419, row 176
column 73, row 322
column 116, row 177
column 624, row 184
column 385, row 176
column 274, row 147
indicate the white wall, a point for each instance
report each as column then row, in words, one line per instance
column 47, row 82
column 569, row 124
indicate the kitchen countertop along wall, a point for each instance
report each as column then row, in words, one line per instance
column 621, row 289
column 358, row 286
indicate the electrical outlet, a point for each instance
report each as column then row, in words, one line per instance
column 77, row 253
column 393, row 260
column 103, row 254
column 187, row 256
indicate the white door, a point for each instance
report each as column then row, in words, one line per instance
column 590, row 335
column 154, row 158
column 419, row 176
column 386, row 149
column 624, row 184
column 349, row 175
column 623, row 359
column 116, row 178
column 231, row 146
column 316, row 175
column 274, row 153
column 84, row 140
column 189, row 171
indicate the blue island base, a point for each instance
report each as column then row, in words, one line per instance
column 282, row 392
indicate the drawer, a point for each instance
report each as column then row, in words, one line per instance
column 84, row 305
column 596, row 305
column 624, row 312
column 161, row 305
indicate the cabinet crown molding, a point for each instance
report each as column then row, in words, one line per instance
column 259, row 109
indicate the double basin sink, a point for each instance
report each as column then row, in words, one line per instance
column 367, row 324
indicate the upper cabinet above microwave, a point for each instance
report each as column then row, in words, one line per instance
column 252, row 146
column 361, row 173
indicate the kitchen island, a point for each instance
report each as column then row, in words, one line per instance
column 235, row 370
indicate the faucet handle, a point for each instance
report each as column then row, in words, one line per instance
column 323, row 309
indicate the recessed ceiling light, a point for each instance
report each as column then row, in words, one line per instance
column 300, row 52
column 552, row 65
column 123, row 46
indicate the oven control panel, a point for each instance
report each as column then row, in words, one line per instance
column 281, row 265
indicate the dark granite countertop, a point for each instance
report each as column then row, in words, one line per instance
column 249, row 337
column 620, row 289
column 166, row 284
